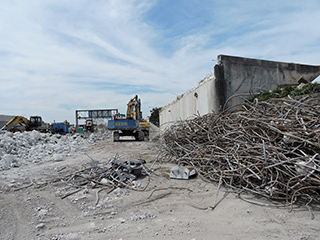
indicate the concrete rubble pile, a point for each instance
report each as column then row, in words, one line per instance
column 21, row 148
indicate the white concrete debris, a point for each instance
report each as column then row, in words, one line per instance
column 22, row 148
column 141, row 216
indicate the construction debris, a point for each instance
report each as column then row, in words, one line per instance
column 112, row 175
column 182, row 173
column 268, row 148
column 21, row 148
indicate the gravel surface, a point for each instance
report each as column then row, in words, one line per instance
column 32, row 204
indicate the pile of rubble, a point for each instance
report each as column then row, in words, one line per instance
column 111, row 176
column 22, row 148
column 269, row 148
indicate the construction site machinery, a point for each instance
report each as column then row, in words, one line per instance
column 130, row 125
column 19, row 123
column 61, row 127
column 89, row 125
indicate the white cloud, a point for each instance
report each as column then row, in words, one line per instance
column 59, row 56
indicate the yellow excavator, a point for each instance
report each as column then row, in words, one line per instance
column 19, row 123
column 132, row 124
column 134, row 112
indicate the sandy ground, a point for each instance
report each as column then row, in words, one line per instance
column 167, row 209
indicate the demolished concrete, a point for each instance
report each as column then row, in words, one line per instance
column 21, row 148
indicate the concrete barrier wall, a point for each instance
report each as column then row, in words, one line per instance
column 234, row 78
column 197, row 101
column 240, row 76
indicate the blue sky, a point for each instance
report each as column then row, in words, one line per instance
column 59, row 56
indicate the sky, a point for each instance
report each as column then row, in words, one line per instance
column 60, row 56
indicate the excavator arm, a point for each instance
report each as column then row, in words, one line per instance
column 133, row 108
column 15, row 121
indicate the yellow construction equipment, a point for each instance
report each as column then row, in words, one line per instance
column 131, row 125
column 20, row 123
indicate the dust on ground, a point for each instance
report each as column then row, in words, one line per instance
column 32, row 206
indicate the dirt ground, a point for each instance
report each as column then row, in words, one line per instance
column 167, row 209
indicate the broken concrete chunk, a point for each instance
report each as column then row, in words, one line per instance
column 9, row 161
column 40, row 226
column 181, row 173
column 105, row 181
column 57, row 157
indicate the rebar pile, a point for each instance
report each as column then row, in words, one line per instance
column 268, row 148
column 112, row 175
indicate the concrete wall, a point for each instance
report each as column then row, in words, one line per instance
column 240, row 76
column 233, row 79
column 4, row 119
column 199, row 100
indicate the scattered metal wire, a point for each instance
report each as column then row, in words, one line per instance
column 268, row 148
column 110, row 176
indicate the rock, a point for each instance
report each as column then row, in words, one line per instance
column 57, row 157
column 105, row 181
column 40, row 226
column 35, row 136
column 9, row 161
column 42, row 212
